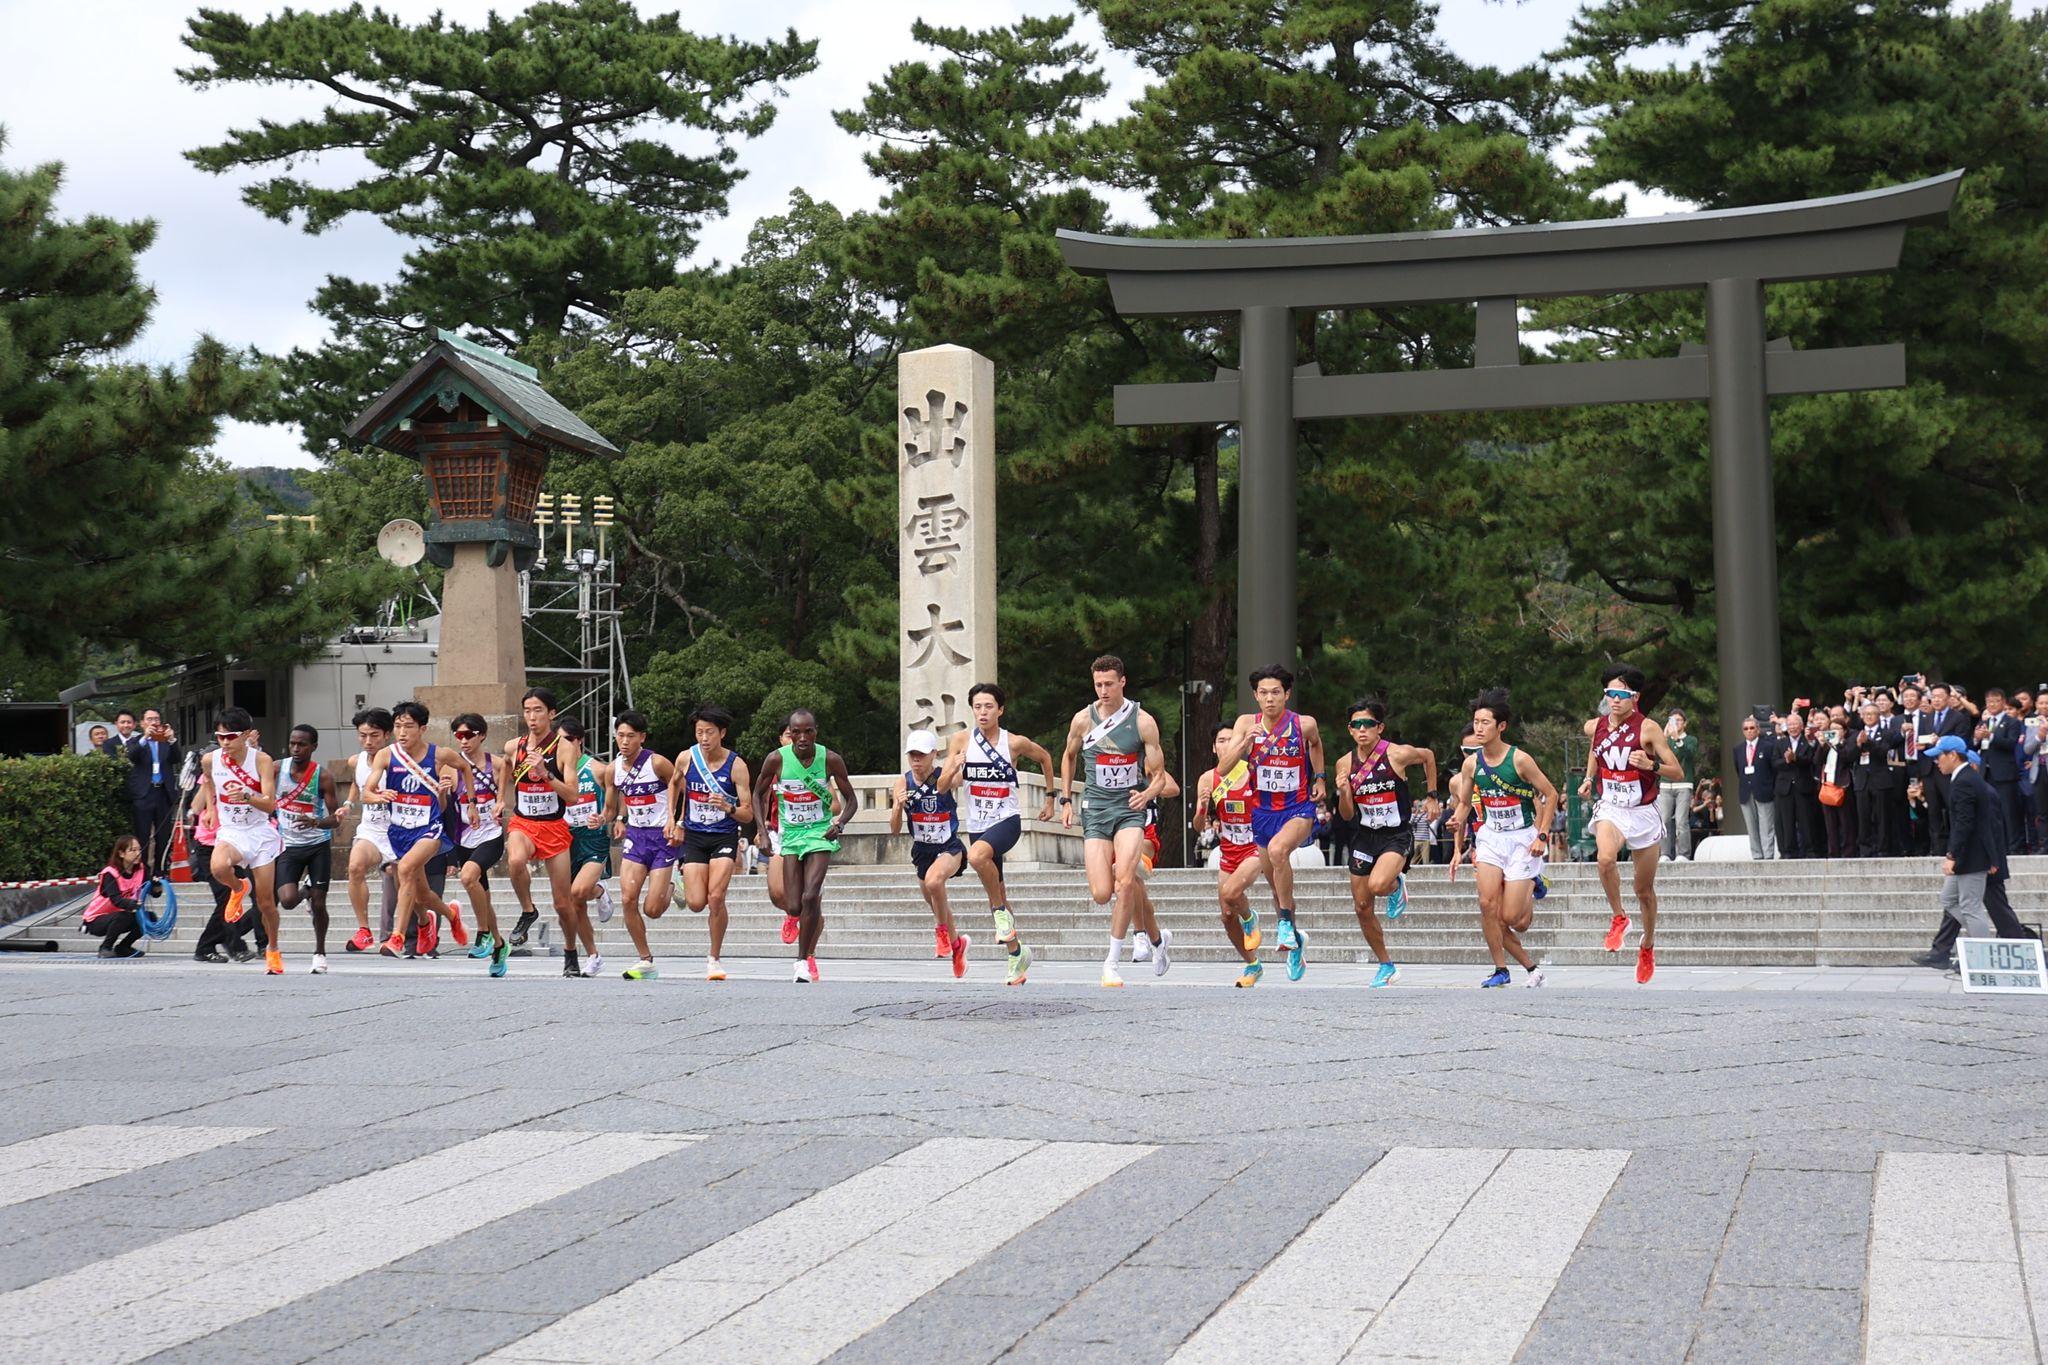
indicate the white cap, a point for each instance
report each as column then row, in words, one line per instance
column 921, row 742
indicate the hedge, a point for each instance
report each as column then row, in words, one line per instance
column 60, row 815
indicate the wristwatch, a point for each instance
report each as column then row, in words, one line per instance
column 1065, row 800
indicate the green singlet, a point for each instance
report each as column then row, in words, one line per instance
column 1113, row 766
column 1507, row 802
column 803, row 798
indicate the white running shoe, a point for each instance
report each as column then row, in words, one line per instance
column 604, row 904
column 712, row 971
column 1110, row 976
column 1160, row 961
column 802, row 978
column 595, row 966
column 319, row 964
column 1141, row 948
column 1535, row 978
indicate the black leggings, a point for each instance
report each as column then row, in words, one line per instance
column 118, row 929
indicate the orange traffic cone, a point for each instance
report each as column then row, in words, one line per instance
column 181, row 861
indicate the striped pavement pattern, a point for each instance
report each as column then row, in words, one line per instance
column 1432, row 1254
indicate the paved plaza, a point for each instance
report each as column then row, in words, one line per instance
column 409, row 1162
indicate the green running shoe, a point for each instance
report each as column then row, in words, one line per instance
column 1020, row 963
column 501, row 955
column 481, row 949
column 1006, row 925
column 641, row 971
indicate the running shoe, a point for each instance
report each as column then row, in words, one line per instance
column 457, row 930
column 1387, row 975
column 501, row 954
column 942, row 942
column 1542, row 886
column 242, row 952
column 1252, row 972
column 712, row 971
column 596, row 964
column 1141, row 948
column 319, row 964
column 800, row 978
column 1499, row 978
column 485, row 945
column 643, row 970
column 1160, row 960
column 362, row 942
column 1111, row 978
column 1020, row 963
column 1006, row 924
column 1288, row 933
column 790, row 925
column 273, row 963
column 392, row 947
column 525, row 923
column 603, row 904
column 1397, row 904
column 959, row 951
column 1615, row 929
column 1535, row 976
column 811, row 967
column 232, row 912
column 1249, row 925
column 429, row 936
column 1295, row 965
column 1646, row 965
column 570, row 967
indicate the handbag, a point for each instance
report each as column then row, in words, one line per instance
column 1832, row 794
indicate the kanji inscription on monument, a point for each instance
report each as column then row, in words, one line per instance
column 947, row 533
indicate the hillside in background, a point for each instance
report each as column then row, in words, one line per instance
column 278, row 484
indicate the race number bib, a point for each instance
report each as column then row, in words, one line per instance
column 411, row 810
column 703, row 812
column 801, row 805
column 989, row 801
column 1275, row 778
column 582, row 812
column 1379, row 810
column 1621, row 791
column 537, row 803
column 644, row 811
column 1235, row 833
column 1116, row 772
column 296, row 816
column 1503, row 812
column 482, row 815
column 936, row 828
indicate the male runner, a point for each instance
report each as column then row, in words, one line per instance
column 479, row 809
column 1226, row 799
column 1629, row 755
column 936, row 853
column 371, row 852
column 1285, row 751
column 1372, row 793
column 589, row 817
column 534, row 767
column 1112, row 735
column 414, row 779
column 1515, row 802
column 241, row 783
column 984, row 758
column 306, row 817
column 714, row 796
column 647, row 831
column 804, row 777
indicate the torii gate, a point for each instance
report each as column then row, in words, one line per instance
column 1731, row 253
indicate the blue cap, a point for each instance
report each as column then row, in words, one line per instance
column 1950, row 744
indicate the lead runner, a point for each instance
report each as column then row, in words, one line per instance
column 1285, row 750
column 1629, row 755
column 242, row 784
column 1111, row 747
column 983, row 758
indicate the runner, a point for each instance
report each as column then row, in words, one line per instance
column 715, row 796
column 984, row 758
column 1150, row 933
column 371, row 851
column 306, row 817
column 480, row 832
column 241, row 782
column 536, row 832
column 935, row 849
column 803, row 777
column 1372, row 793
column 1515, row 802
column 1112, row 736
column 647, row 832
column 1285, row 751
column 1226, row 798
column 1629, row 755
column 589, row 818
column 768, row 841
column 414, row 778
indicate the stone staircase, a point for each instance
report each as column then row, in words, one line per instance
column 1798, row 914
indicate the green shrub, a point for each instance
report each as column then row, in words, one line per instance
column 60, row 815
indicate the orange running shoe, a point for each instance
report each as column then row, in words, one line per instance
column 392, row 947
column 1646, row 965
column 942, row 942
column 273, row 963
column 455, row 929
column 429, row 935
column 790, row 925
column 363, row 941
column 1615, row 931
column 232, row 912
column 959, row 952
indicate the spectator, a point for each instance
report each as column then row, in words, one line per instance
column 1838, row 822
column 2000, row 737
column 124, row 734
column 1421, row 830
column 1755, row 790
column 1916, row 728
column 1705, row 815
column 96, row 739
column 1674, row 799
column 112, row 912
column 1873, row 777
column 2034, row 764
column 154, row 758
column 1795, row 791
column 1890, row 722
column 1947, row 719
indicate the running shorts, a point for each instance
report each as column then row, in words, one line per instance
column 1104, row 817
column 649, row 847
column 1000, row 837
column 549, row 838
column 701, row 846
column 587, row 846
column 1368, row 846
column 379, row 839
column 259, row 845
column 1267, row 824
column 311, row 864
column 804, row 840
column 1641, row 826
column 1235, row 856
column 1508, row 850
column 485, row 855
column 922, row 856
column 403, row 840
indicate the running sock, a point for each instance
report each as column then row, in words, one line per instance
column 1287, row 913
column 1116, row 952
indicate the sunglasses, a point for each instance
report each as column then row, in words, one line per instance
column 467, row 734
column 1468, row 748
column 1618, row 693
column 225, row 735
column 1367, row 723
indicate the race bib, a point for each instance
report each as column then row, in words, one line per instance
column 990, row 801
column 236, row 811
column 482, row 815
column 537, row 804
column 1116, row 772
column 296, row 816
column 582, row 812
column 702, row 812
column 411, row 810
column 644, row 811
column 1379, row 810
column 931, row 829
column 1503, row 812
column 1621, row 791
column 1274, row 778
column 1235, row 833
column 801, row 806
column 376, row 816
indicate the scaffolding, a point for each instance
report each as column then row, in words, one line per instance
column 569, row 598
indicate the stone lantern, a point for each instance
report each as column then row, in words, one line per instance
column 482, row 428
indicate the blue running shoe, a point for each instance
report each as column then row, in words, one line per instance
column 1295, row 966
column 481, row 949
column 1542, row 887
column 1397, row 904
column 1386, row 975
column 1250, row 925
column 501, row 955
column 1499, row 978
column 1289, row 936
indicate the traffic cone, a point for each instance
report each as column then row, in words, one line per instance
column 181, row 861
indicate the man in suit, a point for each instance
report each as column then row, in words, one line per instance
column 1916, row 727
column 1945, row 717
column 1795, row 785
column 155, row 759
column 2004, row 923
column 1871, row 773
column 2000, row 735
column 1976, row 846
column 1756, row 790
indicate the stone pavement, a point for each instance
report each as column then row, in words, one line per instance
column 401, row 1161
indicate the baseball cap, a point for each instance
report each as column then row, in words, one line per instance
column 1950, row 744
column 925, row 742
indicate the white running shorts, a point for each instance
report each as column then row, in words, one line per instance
column 1508, row 850
column 1641, row 826
column 379, row 839
column 259, row 845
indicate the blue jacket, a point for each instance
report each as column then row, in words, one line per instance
column 1758, row 786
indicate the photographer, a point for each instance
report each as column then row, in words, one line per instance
column 1796, row 786
column 1875, row 779
column 1831, row 766
column 151, row 792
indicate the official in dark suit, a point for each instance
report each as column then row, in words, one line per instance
column 1916, row 726
column 1796, row 792
column 155, row 759
column 1871, row 750
column 2001, row 735
column 2004, row 923
column 1975, row 840
column 1756, row 789
column 1944, row 718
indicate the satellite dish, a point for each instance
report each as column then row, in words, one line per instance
column 402, row 542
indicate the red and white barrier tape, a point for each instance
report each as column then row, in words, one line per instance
column 47, row 881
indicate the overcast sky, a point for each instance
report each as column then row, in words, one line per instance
column 92, row 83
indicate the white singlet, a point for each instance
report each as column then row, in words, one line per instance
column 990, row 779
